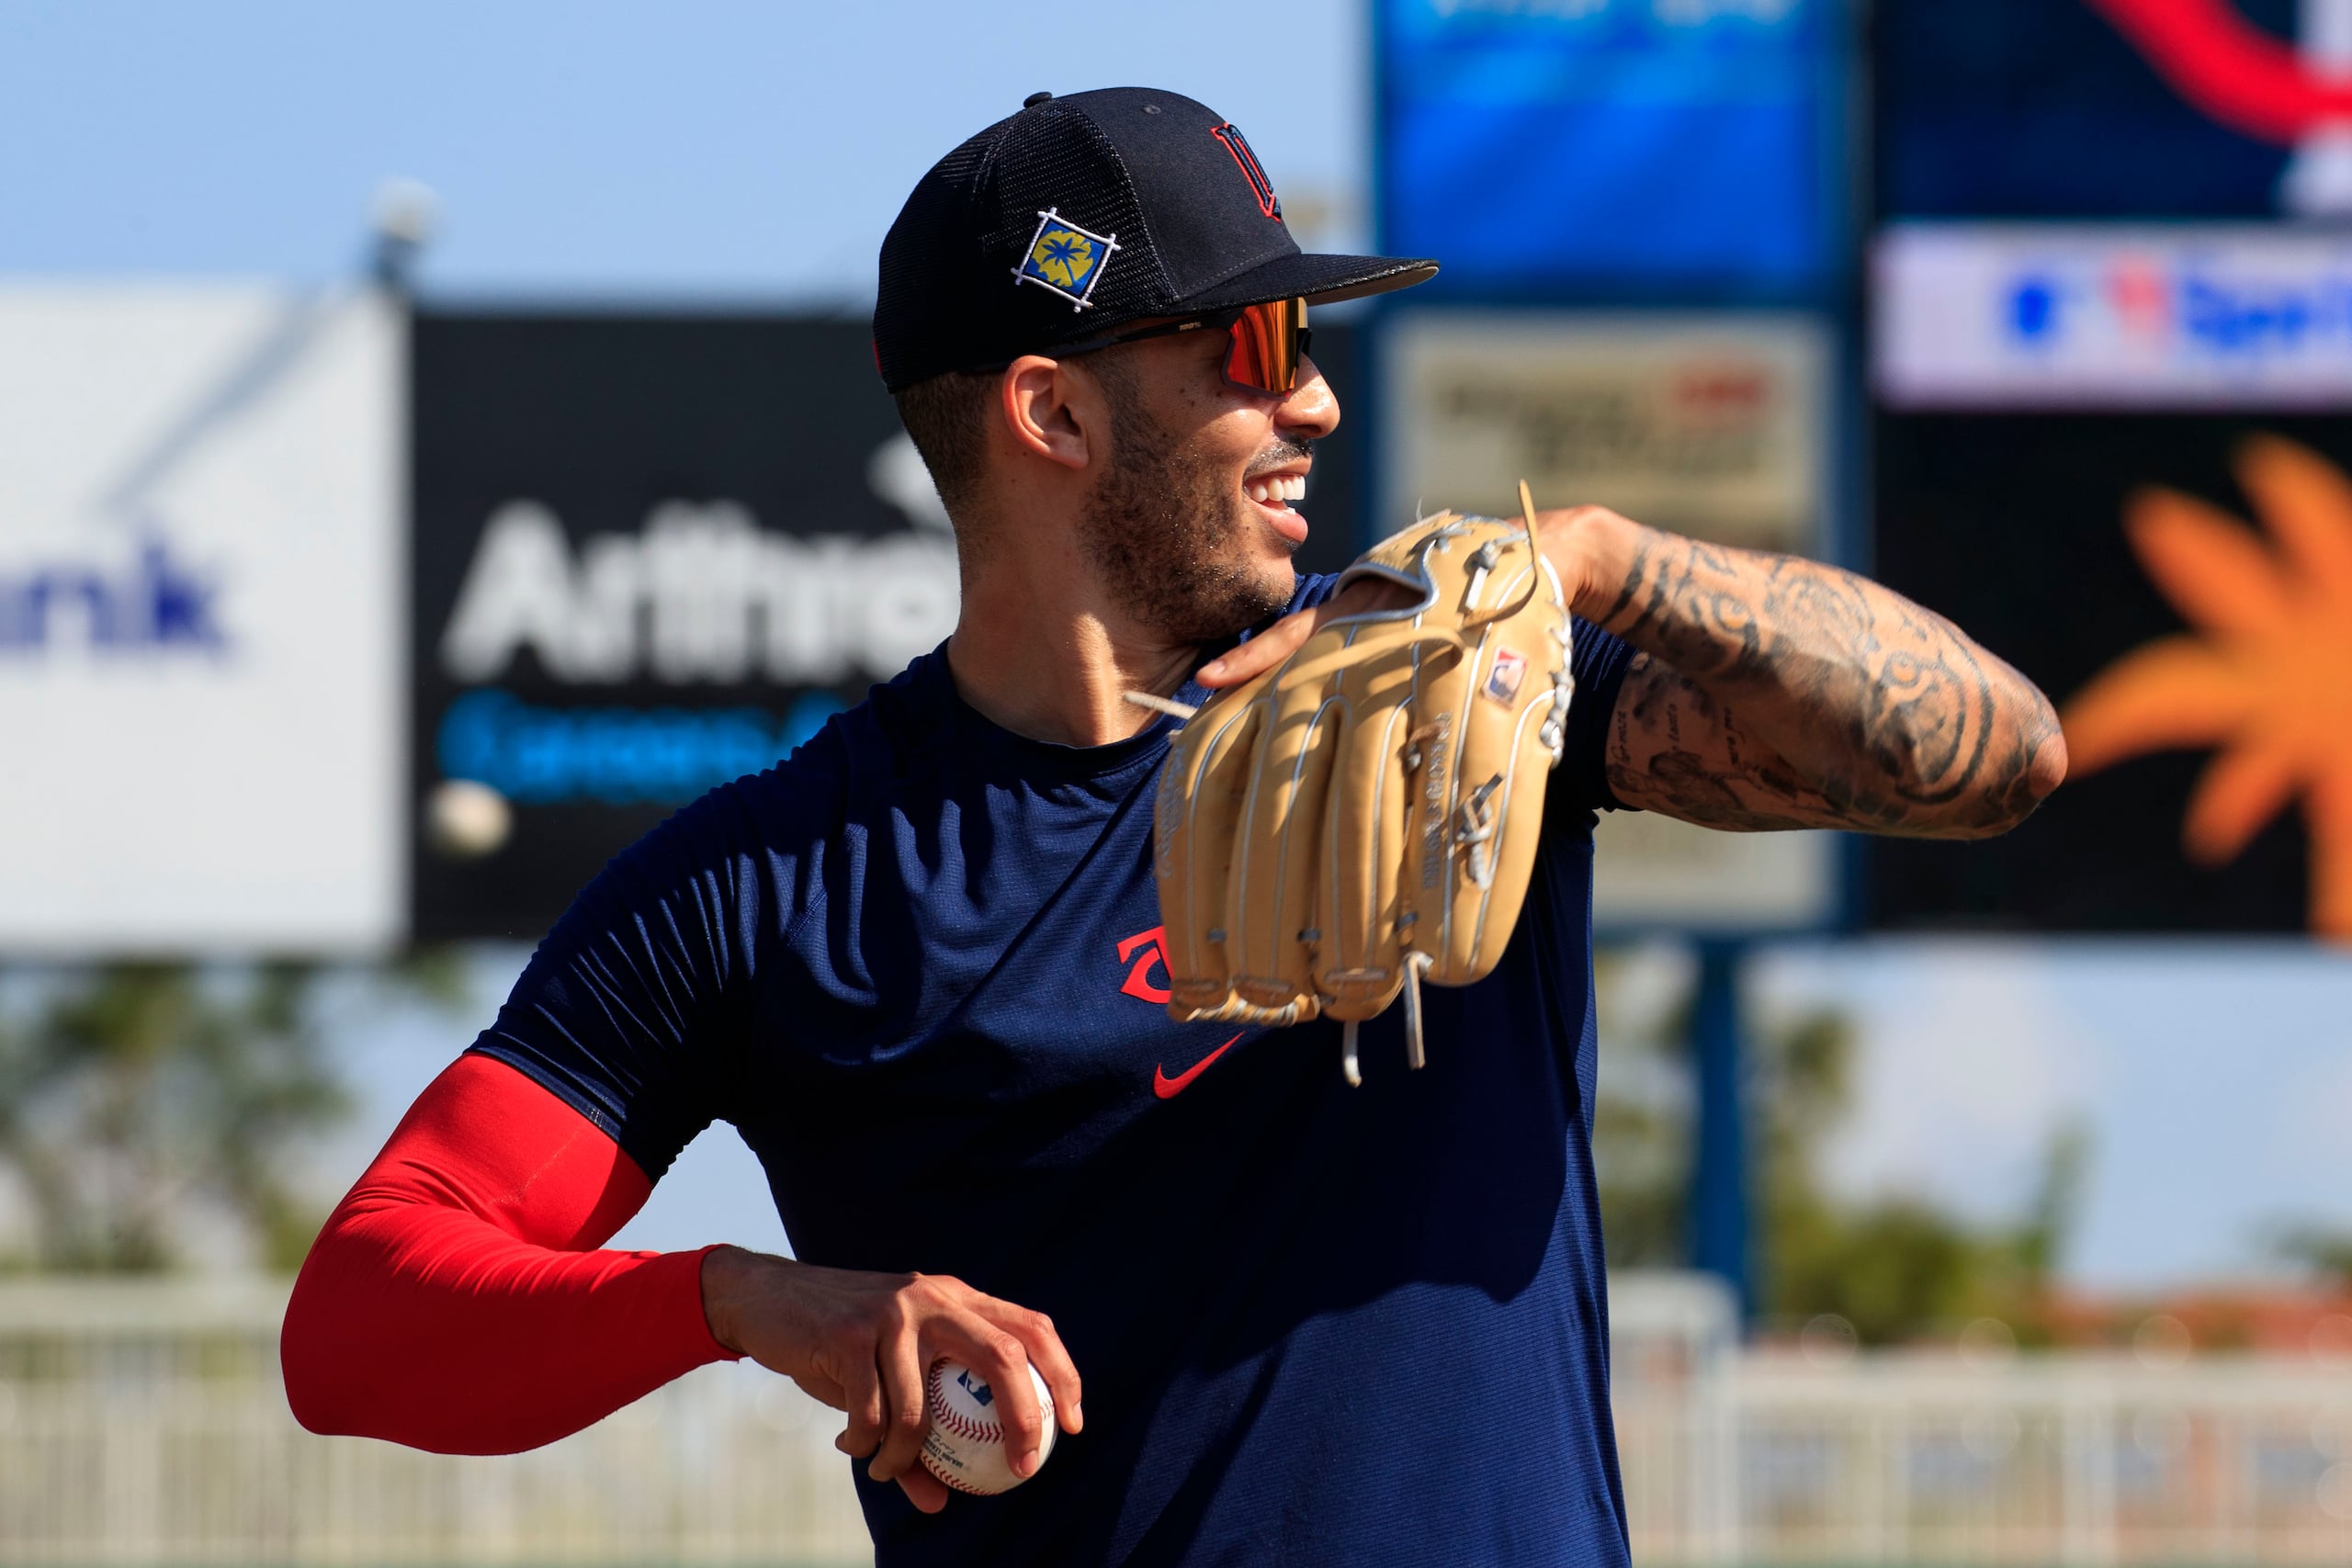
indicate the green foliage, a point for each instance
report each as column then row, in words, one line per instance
column 138, row 1094
column 1643, row 1182
column 1640, row 1129
column 1896, row 1267
column 1890, row 1269
column 2321, row 1251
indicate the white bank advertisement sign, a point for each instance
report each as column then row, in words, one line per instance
column 1715, row 426
column 200, row 492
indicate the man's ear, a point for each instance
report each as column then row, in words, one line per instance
column 1050, row 410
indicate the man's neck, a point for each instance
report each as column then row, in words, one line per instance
column 1040, row 655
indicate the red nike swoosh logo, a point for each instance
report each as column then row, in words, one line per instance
column 1169, row 1089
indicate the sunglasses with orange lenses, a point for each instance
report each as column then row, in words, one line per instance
column 1269, row 342
column 1266, row 344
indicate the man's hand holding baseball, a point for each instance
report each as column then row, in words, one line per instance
column 864, row 1342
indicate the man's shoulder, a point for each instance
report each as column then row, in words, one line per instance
column 854, row 755
column 866, row 755
column 802, row 794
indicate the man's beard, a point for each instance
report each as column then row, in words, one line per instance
column 1168, row 532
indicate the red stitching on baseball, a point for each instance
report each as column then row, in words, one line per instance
column 960, row 1485
column 955, row 1422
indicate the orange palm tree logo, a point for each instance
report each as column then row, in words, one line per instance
column 2266, row 677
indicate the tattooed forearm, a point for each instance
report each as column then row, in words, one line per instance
column 1672, row 747
column 1771, row 691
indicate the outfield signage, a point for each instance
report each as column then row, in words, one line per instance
column 2176, row 584
column 1711, row 425
column 199, row 496
column 699, row 593
column 1647, row 145
column 2018, row 316
column 699, row 599
column 2118, row 109
column 651, row 555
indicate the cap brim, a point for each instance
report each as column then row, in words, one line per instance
column 1321, row 280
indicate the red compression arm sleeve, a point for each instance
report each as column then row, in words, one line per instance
column 449, row 1302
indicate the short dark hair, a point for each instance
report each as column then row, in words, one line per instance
column 948, row 416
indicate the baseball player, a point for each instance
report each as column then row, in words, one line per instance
column 923, row 966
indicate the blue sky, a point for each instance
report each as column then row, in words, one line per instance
column 694, row 147
column 2214, row 1079
column 698, row 151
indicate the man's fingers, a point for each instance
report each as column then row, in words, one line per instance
column 1046, row 1353
column 1000, row 1359
column 924, row 1490
column 1278, row 641
column 1265, row 650
column 823, row 1389
column 904, row 1367
column 862, row 1403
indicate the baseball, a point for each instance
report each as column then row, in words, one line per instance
column 965, row 1447
column 466, row 821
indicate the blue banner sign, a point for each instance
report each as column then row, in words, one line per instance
column 1631, row 145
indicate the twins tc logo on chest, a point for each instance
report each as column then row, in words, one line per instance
column 1147, row 954
column 1143, row 956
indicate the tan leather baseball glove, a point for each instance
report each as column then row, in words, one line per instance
column 1364, row 815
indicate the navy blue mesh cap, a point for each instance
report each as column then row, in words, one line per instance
column 1077, row 214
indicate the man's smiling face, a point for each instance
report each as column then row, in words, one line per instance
column 1191, row 522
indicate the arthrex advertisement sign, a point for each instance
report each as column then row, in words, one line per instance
column 651, row 554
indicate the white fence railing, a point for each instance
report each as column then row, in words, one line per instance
column 144, row 1424
column 2045, row 1460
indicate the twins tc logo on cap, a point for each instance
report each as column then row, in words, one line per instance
column 1064, row 258
column 1251, row 170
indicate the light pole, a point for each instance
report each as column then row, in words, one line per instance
column 402, row 221
column 1722, row 1234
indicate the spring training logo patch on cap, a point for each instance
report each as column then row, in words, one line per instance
column 1064, row 258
